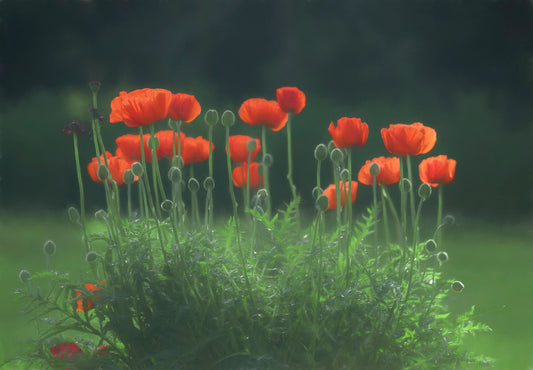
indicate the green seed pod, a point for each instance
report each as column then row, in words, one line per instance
column 129, row 177
column 424, row 191
column 251, row 145
column 322, row 203
column 49, row 247
column 209, row 183
column 321, row 152
column 153, row 142
column 193, row 185
column 137, row 169
column 167, row 205
column 458, row 286
column 431, row 245
column 73, row 215
column 374, row 169
column 228, row 118
column 443, row 257
column 211, row 117
column 101, row 214
column 262, row 193
column 102, row 172
column 174, row 175
column 91, row 257
column 336, row 155
column 405, row 184
column 268, row 160
column 24, row 276
column 345, row 175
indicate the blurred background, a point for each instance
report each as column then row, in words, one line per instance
column 464, row 68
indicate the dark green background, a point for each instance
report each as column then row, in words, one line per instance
column 461, row 67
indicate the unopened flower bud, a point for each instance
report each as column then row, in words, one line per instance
column 374, row 169
column 193, row 185
column 251, row 145
column 24, row 276
column 211, row 117
column 261, row 169
column 129, row 177
column 49, row 247
column 316, row 192
column 321, row 152
column 331, row 146
column 91, row 257
column 262, row 193
column 177, row 161
column 431, row 245
column 103, row 172
column 424, row 191
column 336, row 155
column 174, row 175
column 74, row 127
column 101, row 214
column 95, row 86
column 443, row 257
column 167, row 205
column 448, row 220
column 173, row 125
column 228, row 118
column 268, row 160
column 209, row 183
column 153, row 142
column 405, row 185
column 322, row 203
column 73, row 215
column 458, row 286
column 345, row 175
column 137, row 169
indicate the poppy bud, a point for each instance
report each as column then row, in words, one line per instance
column 173, row 125
column 209, row 183
column 443, row 257
column 49, row 247
column 458, row 286
column 193, row 185
column 137, row 169
column 129, row 177
column 95, row 86
column 316, row 192
column 228, row 118
column 345, row 175
column 259, row 209
column 174, row 175
column 101, row 214
column 177, row 161
column 102, row 172
column 261, row 169
column 424, row 191
column 331, row 146
column 262, row 193
column 336, row 155
column 374, row 169
column 431, row 245
column 268, row 160
column 167, row 205
column 251, row 145
column 405, row 185
column 322, row 203
column 211, row 117
column 153, row 142
column 73, row 215
column 321, row 152
column 448, row 220
column 24, row 276
column 91, row 257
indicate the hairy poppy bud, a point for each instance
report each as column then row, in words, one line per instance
column 49, row 247
column 129, row 177
column 259, row 209
column 405, row 185
column 137, row 169
column 211, row 117
column 91, row 257
column 448, row 220
column 321, row 152
column 209, row 183
column 336, row 155
column 262, row 193
column 251, row 145
column 167, row 205
column 174, row 175
column 24, row 276
column 374, row 169
column 316, row 192
column 431, row 245
column 443, row 257
column 228, row 118
column 458, row 286
column 331, row 146
column 261, row 169
column 345, row 175
column 193, row 185
column 101, row 214
column 73, row 215
column 268, row 160
column 322, row 203
column 103, row 172
column 153, row 142
column 424, row 191
column 95, row 86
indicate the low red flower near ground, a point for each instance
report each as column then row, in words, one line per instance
column 437, row 170
column 290, row 99
column 85, row 303
column 117, row 167
column 414, row 139
column 184, row 107
column 195, row 150
column 349, row 132
column 258, row 111
column 330, row 192
column 140, row 107
column 389, row 171
column 238, row 150
column 65, row 351
column 239, row 175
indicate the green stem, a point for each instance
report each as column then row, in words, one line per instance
column 82, row 193
column 289, row 157
column 439, row 216
column 411, row 191
column 230, row 183
column 265, row 175
column 385, row 216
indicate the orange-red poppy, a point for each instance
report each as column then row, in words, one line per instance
column 290, row 99
column 239, row 175
column 85, row 303
column 258, row 111
column 437, row 170
column 414, row 139
column 65, row 351
column 184, row 107
column 330, row 192
column 238, row 150
column 195, row 150
column 140, row 107
column 349, row 132
column 389, row 171
column 117, row 167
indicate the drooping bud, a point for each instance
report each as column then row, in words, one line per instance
column 345, row 175
column 442, row 257
column 261, row 169
column 209, row 183
column 262, row 193
column 331, row 146
column 336, row 155
column 431, row 245
column 405, row 185
column 91, row 257
column 448, row 220
column 228, row 118
column 268, row 160
column 129, row 177
column 153, row 142
column 316, row 192
column 424, row 191
column 174, row 175
column 374, row 169
column 458, row 286
column 73, row 215
column 193, row 185
column 167, row 205
column 24, row 276
column 101, row 214
column 49, row 247
column 211, row 117
column 251, row 145
column 173, row 125
column 322, row 203
column 137, row 169
column 321, row 152
column 102, row 172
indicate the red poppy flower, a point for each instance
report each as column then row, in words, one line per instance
column 389, row 171
column 349, row 132
column 129, row 147
column 88, row 303
column 65, row 351
column 102, row 350
column 166, row 142
column 117, row 167
column 239, row 175
column 195, row 150
column 330, row 192
column 140, row 107
column 291, row 99
column 238, row 150
column 437, row 170
column 184, row 107
column 263, row 112
column 401, row 139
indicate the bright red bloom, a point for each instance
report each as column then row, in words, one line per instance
column 239, row 175
column 238, row 150
column 414, row 139
column 349, row 132
column 166, row 143
column 80, row 302
column 437, row 170
column 117, row 167
column 140, row 107
column 129, row 147
column 184, row 107
column 389, row 171
column 65, row 351
column 290, row 99
column 330, row 192
column 195, row 150
column 263, row 112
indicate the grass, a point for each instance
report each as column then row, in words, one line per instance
column 493, row 262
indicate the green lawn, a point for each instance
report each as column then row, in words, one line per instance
column 495, row 264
